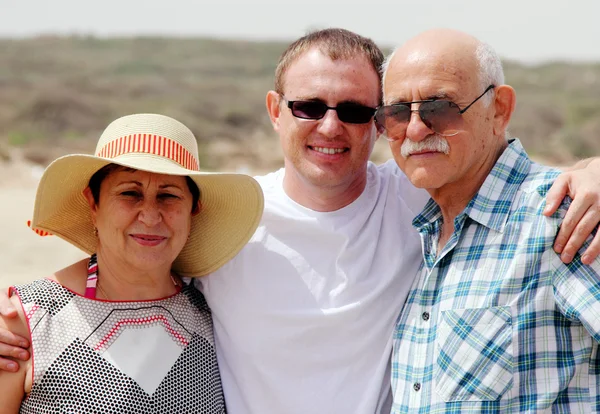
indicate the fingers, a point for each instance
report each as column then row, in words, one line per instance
column 556, row 194
column 7, row 308
column 582, row 228
column 13, row 352
column 573, row 216
column 9, row 341
column 593, row 250
column 8, row 365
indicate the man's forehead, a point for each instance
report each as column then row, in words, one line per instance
column 432, row 61
column 424, row 80
column 316, row 76
column 319, row 60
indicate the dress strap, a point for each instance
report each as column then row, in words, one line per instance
column 92, row 278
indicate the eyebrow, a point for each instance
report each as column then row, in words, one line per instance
column 137, row 183
column 433, row 97
column 347, row 101
column 439, row 95
column 355, row 102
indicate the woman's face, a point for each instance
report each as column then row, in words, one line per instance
column 143, row 219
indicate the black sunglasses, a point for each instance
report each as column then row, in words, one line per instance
column 351, row 113
column 441, row 116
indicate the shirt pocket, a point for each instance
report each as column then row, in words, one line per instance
column 474, row 354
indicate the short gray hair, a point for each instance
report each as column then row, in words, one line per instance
column 490, row 69
column 385, row 65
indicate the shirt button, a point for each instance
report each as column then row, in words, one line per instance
column 417, row 386
column 425, row 316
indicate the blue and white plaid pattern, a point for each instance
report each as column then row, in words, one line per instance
column 496, row 323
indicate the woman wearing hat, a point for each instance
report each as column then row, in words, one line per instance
column 120, row 331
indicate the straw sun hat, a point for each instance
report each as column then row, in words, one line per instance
column 232, row 204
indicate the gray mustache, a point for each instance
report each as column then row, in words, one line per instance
column 431, row 143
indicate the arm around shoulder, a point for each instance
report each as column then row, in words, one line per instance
column 13, row 384
column 581, row 182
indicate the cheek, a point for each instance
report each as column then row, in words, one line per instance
column 114, row 214
column 295, row 138
column 363, row 136
column 298, row 129
column 179, row 220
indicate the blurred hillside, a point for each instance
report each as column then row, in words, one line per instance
column 57, row 95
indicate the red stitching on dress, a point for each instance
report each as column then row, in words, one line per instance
column 29, row 314
column 142, row 321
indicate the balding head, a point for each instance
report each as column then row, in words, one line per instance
column 445, row 43
column 459, row 109
column 452, row 50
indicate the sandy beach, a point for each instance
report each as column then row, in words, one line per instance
column 24, row 255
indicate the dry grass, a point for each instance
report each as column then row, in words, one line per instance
column 57, row 94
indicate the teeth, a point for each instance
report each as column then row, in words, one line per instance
column 329, row 150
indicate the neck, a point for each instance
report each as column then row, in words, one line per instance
column 122, row 282
column 322, row 198
column 452, row 198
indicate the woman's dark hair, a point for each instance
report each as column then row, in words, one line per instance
column 105, row 171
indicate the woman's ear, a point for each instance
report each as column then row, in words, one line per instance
column 87, row 193
column 197, row 208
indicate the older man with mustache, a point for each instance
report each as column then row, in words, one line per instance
column 495, row 322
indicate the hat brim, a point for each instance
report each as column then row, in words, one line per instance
column 232, row 206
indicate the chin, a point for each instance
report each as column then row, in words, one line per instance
column 150, row 261
column 421, row 178
column 325, row 176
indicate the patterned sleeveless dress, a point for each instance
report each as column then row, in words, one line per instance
column 95, row 356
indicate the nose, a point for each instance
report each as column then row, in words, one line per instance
column 150, row 214
column 330, row 125
column 416, row 129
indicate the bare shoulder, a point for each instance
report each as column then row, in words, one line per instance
column 73, row 277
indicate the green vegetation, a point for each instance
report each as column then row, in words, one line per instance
column 58, row 93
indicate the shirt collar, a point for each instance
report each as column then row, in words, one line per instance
column 492, row 203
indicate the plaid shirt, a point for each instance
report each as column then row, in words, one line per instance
column 496, row 322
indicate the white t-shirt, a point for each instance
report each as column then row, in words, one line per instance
column 304, row 314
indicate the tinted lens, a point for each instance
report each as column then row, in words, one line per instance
column 354, row 113
column 441, row 116
column 309, row 109
column 394, row 119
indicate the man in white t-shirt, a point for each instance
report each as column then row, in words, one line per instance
column 304, row 314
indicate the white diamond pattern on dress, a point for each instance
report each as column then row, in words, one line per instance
column 134, row 347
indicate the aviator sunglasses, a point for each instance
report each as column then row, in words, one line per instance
column 441, row 116
column 351, row 113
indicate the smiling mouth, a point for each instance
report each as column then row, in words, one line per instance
column 147, row 239
column 329, row 151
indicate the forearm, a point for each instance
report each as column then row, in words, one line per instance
column 12, row 392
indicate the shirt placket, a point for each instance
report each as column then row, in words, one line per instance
column 421, row 384
column 423, row 394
